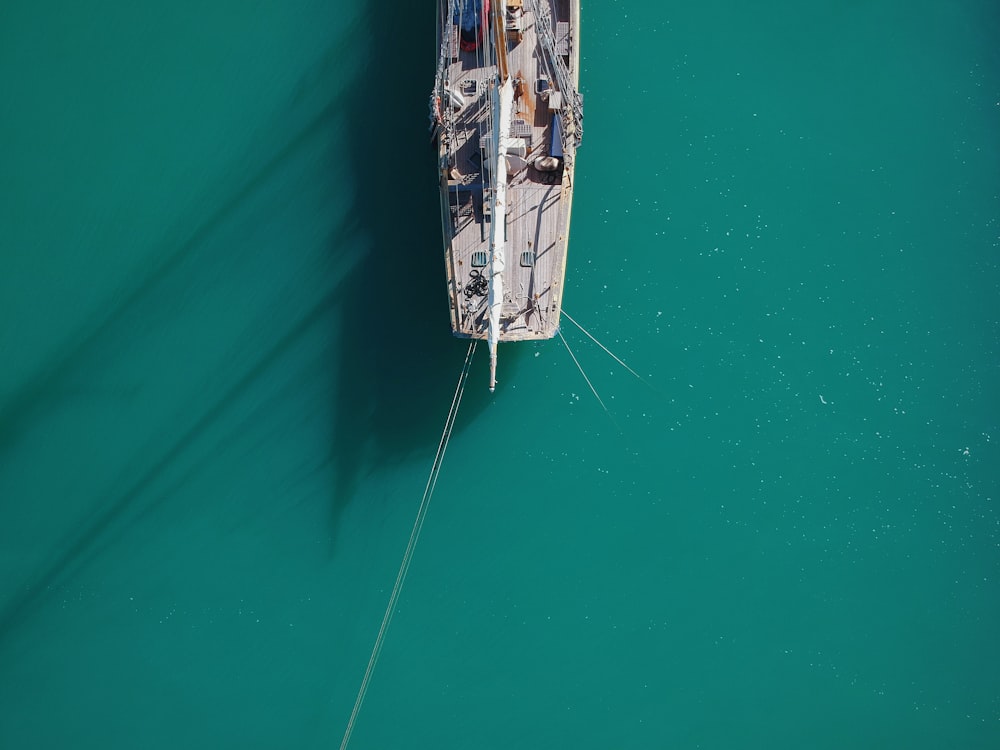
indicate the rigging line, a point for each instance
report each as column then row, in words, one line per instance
column 609, row 352
column 418, row 525
column 593, row 390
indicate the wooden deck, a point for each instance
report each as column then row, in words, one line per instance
column 538, row 203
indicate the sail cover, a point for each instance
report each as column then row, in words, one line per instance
column 503, row 107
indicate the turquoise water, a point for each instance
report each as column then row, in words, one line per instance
column 213, row 444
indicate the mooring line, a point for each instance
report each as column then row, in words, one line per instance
column 610, row 353
column 593, row 390
column 418, row 525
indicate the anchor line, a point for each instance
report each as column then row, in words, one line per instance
column 608, row 351
column 592, row 389
column 418, row 525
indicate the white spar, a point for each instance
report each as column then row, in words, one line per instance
column 498, row 225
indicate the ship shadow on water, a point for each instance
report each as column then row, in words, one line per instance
column 397, row 363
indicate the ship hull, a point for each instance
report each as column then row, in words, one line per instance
column 538, row 51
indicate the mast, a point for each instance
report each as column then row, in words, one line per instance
column 500, row 39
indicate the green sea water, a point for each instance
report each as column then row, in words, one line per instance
column 226, row 364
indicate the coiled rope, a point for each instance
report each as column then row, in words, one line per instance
column 418, row 524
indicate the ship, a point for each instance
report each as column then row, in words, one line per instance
column 507, row 119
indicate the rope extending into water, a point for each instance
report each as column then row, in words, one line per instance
column 418, row 524
column 611, row 353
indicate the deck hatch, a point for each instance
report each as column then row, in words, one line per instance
column 528, row 258
column 480, row 258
